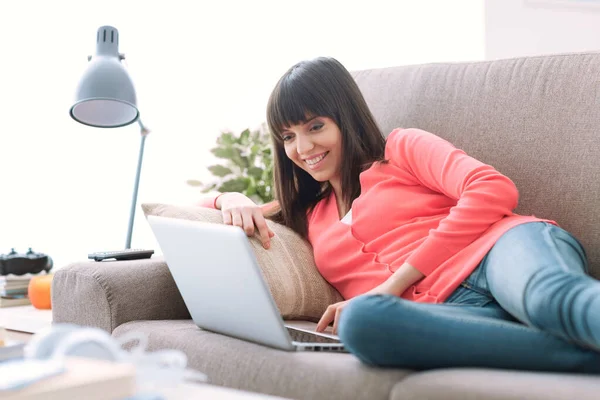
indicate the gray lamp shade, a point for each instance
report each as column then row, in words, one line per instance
column 105, row 96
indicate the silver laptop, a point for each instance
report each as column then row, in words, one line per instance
column 215, row 270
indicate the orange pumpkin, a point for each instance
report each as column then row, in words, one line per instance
column 39, row 291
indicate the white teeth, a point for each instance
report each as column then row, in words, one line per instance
column 313, row 161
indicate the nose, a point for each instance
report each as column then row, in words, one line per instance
column 303, row 144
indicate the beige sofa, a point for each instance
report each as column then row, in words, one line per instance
column 535, row 119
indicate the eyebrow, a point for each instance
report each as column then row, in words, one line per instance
column 304, row 123
column 310, row 120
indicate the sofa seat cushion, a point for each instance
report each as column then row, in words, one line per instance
column 468, row 383
column 243, row 365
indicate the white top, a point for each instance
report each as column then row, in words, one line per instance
column 348, row 218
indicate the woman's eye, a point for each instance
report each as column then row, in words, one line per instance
column 286, row 138
column 316, row 127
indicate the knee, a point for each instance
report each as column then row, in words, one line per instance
column 360, row 326
column 551, row 297
column 355, row 317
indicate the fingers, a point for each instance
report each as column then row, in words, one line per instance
column 248, row 223
column 247, row 218
column 327, row 317
column 263, row 230
column 336, row 319
column 332, row 313
column 236, row 217
column 227, row 219
column 241, row 218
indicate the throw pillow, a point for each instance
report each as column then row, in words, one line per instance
column 288, row 267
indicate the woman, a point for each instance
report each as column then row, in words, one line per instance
column 420, row 239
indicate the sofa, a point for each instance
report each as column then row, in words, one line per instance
column 535, row 119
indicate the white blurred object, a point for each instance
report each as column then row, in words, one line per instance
column 162, row 368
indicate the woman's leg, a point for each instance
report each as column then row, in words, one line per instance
column 537, row 272
column 388, row 331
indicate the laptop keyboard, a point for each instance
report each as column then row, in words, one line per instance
column 307, row 337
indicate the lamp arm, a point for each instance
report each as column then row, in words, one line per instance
column 143, row 133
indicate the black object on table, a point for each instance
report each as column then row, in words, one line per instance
column 27, row 263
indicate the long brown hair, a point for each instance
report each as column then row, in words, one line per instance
column 320, row 87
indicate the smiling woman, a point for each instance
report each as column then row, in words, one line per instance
column 324, row 136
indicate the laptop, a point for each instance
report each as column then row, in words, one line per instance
column 216, row 271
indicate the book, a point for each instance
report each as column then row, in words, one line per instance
column 13, row 301
column 16, row 278
column 14, row 286
column 14, row 293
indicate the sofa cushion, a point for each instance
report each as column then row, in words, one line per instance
column 243, row 365
column 468, row 383
column 288, row 267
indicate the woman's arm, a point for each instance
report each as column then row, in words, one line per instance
column 215, row 202
column 483, row 195
column 403, row 278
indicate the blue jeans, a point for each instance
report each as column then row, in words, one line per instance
column 529, row 305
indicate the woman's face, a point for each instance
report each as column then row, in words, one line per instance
column 316, row 147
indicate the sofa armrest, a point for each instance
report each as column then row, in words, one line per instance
column 108, row 294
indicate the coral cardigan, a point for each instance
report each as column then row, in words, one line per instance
column 431, row 206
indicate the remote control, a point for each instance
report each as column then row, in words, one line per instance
column 120, row 255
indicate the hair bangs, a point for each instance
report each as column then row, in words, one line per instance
column 291, row 104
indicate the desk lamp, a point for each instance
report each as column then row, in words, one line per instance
column 105, row 98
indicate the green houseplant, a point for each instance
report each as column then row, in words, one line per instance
column 247, row 165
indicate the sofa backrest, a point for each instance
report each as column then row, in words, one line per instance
column 534, row 119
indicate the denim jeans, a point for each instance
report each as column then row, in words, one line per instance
column 529, row 305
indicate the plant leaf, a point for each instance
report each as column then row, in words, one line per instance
column 239, row 158
column 244, row 136
column 226, row 138
column 251, row 190
column 255, row 172
column 223, row 152
column 219, row 170
column 234, row 185
column 193, row 182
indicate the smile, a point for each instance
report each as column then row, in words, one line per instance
column 316, row 161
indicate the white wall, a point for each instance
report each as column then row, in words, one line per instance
column 199, row 67
column 521, row 28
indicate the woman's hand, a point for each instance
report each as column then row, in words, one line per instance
column 393, row 286
column 239, row 210
column 334, row 311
